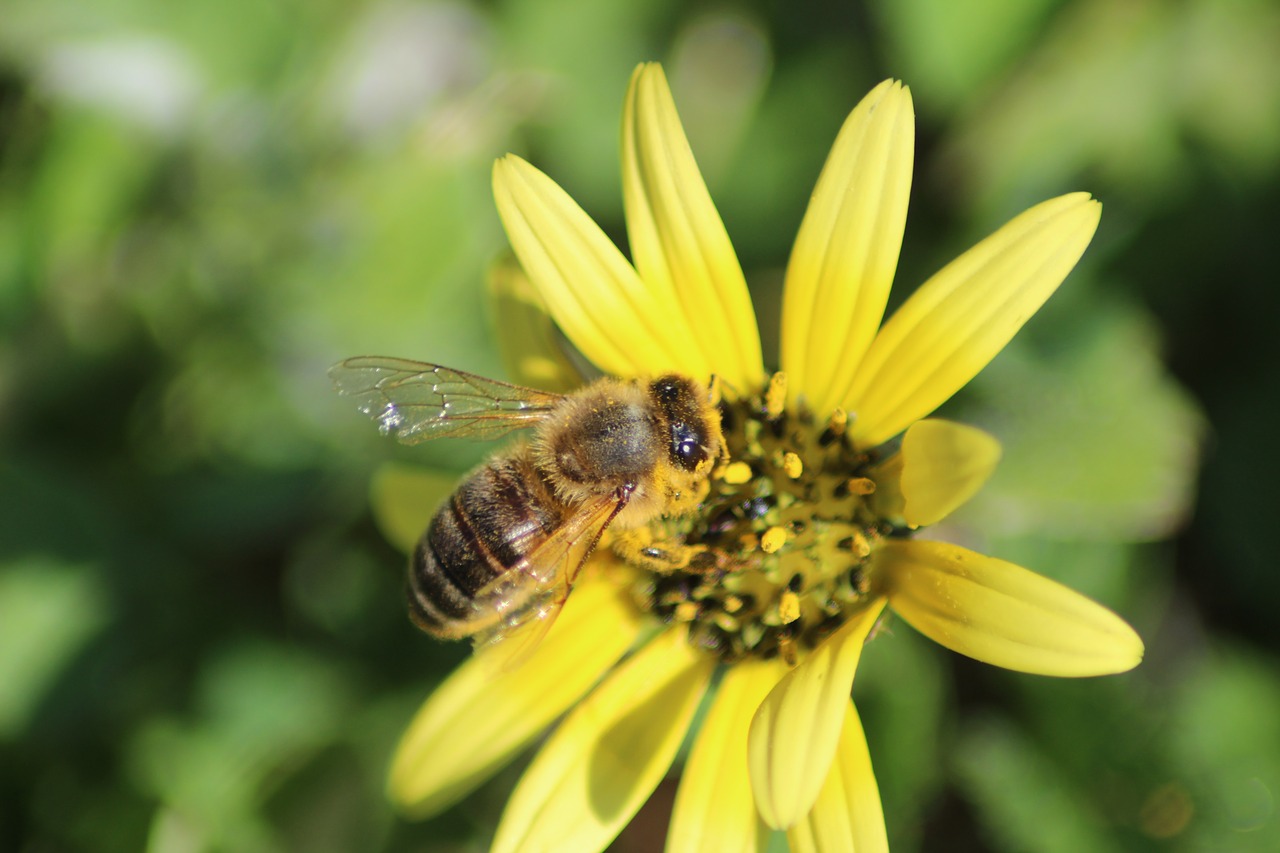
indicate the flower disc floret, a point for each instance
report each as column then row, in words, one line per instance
column 777, row 557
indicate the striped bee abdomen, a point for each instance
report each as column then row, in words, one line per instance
column 497, row 516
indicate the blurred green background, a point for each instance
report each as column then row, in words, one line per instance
column 203, row 204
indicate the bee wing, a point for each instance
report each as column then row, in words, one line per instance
column 508, row 646
column 530, row 607
column 417, row 401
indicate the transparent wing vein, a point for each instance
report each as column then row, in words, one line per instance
column 418, row 401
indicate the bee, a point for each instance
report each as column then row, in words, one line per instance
column 505, row 549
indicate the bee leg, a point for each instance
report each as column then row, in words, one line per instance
column 640, row 547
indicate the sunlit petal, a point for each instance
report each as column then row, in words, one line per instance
column 609, row 754
column 476, row 721
column 714, row 809
column 1001, row 613
column 532, row 351
column 847, row 248
column 591, row 290
column 944, row 464
column 792, row 740
column 678, row 241
column 847, row 815
column 951, row 327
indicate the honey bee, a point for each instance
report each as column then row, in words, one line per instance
column 504, row 550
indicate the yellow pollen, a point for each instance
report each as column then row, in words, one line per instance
column 776, row 557
column 788, row 607
column 773, row 539
column 792, row 464
column 775, row 396
column 862, row 485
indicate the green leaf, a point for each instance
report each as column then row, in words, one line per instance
column 1021, row 798
column 949, row 50
column 263, row 710
column 49, row 610
column 1228, row 748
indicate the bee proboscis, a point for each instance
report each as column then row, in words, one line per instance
column 502, row 553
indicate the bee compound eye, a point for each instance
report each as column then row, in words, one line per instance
column 686, row 447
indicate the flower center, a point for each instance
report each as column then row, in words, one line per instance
column 776, row 557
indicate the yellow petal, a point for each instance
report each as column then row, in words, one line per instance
column 847, row 815
column 1001, row 613
column 792, row 740
column 532, row 351
column 943, row 465
column 714, row 809
column 404, row 498
column 951, row 327
column 609, row 754
column 847, row 248
column 678, row 241
column 593, row 294
column 476, row 720
column 887, row 501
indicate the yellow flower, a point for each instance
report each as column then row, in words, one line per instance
column 833, row 465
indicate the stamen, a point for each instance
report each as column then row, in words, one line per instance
column 789, row 607
column 737, row 473
column 782, row 538
column 792, row 464
column 725, row 622
column 775, row 396
column 837, row 423
column 862, row 485
column 773, row 539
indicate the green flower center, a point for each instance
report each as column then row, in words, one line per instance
column 776, row 557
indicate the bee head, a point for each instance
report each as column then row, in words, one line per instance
column 692, row 424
